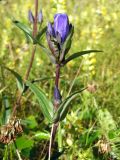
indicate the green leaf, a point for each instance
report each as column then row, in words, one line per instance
column 78, row 54
column 28, row 38
column 41, row 136
column 45, row 105
column 67, row 44
column 39, row 35
column 28, row 34
column 31, row 122
column 19, row 80
column 7, row 109
column 64, row 107
column 24, row 28
column 5, row 157
column 24, row 142
column 38, row 80
column 26, row 152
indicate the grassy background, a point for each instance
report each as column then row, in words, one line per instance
column 93, row 116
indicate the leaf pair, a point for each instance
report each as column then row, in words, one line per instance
column 65, row 105
column 47, row 107
column 65, row 48
column 28, row 32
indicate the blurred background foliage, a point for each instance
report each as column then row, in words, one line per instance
column 91, row 129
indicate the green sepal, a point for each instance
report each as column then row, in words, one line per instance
column 67, row 44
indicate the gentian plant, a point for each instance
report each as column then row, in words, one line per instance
column 59, row 37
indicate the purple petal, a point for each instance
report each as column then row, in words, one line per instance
column 61, row 25
column 50, row 29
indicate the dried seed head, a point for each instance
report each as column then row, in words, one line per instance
column 9, row 131
column 92, row 87
column 103, row 146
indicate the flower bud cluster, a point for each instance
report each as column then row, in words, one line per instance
column 32, row 18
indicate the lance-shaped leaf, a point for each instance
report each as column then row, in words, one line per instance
column 37, row 80
column 40, row 34
column 20, row 83
column 24, row 28
column 67, row 44
column 78, row 54
column 45, row 105
column 64, row 107
column 28, row 33
column 7, row 109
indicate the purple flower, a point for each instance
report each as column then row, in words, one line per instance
column 40, row 17
column 56, row 35
column 61, row 27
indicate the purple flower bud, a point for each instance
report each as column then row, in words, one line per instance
column 40, row 17
column 57, row 95
column 50, row 29
column 30, row 16
column 61, row 26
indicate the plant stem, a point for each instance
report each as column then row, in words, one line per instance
column 17, row 104
column 30, row 64
column 34, row 35
column 50, row 144
column 57, row 75
column 56, row 105
column 17, row 151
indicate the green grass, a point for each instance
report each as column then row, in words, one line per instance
column 94, row 116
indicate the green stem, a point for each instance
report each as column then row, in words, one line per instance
column 17, row 151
